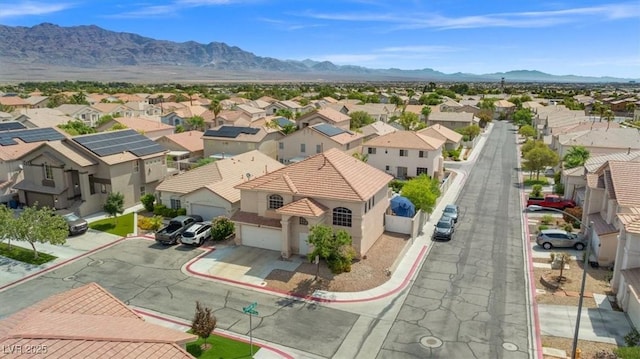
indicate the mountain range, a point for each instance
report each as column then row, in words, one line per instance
column 51, row 50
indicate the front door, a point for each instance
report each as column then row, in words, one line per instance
column 303, row 245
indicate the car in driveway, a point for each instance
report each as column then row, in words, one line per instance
column 196, row 234
column 444, row 229
column 558, row 238
column 451, row 211
column 77, row 224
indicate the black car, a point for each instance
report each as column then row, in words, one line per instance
column 444, row 229
column 451, row 210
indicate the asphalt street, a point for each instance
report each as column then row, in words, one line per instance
column 469, row 300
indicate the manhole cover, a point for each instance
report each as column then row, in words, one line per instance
column 95, row 263
column 510, row 347
column 430, row 342
column 69, row 278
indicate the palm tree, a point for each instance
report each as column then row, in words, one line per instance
column 608, row 116
column 426, row 111
column 215, row 107
column 576, row 156
column 196, row 123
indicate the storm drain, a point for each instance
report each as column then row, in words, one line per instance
column 510, row 346
column 69, row 278
column 430, row 342
column 95, row 263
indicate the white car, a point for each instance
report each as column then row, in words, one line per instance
column 196, row 234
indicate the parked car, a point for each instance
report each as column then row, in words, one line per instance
column 444, row 229
column 551, row 201
column 170, row 234
column 196, row 234
column 77, row 224
column 549, row 238
column 451, row 211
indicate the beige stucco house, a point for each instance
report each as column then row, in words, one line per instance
column 79, row 173
column 210, row 190
column 598, row 141
column 84, row 113
column 331, row 188
column 406, row 154
column 315, row 139
column 325, row 115
column 145, row 126
column 452, row 120
column 626, row 272
column 224, row 141
column 452, row 139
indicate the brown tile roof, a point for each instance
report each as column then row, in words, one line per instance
column 592, row 180
column 625, row 180
column 332, row 174
column 305, row 207
column 631, row 221
column 189, row 140
column 254, row 218
column 600, row 226
column 329, row 114
column 442, row 132
column 14, row 152
column 90, row 322
column 406, row 140
column 142, row 124
column 71, row 153
column 13, row 101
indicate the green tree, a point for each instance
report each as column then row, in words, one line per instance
column 76, row 127
column 289, row 128
column 422, row 191
column 538, row 158
column 485, row 117
column 361, row 156
column 7, row 219
column 117, row 126
column 531, row 144
column 426, row 111
column 104, row 119
column 576, row 156
column 215, row 107
column 286, row 113
column 203, row 323
column 114, row 205
column 359, row 119
column 147, row 201
column 335, row 248
column 196, row 123
column 410, row 121
column 527, row 131
column 487, row 103
column 40, row 225
column 56, row 100
column 221, row 228
column 179, row 129
column 469, row 132
column 79, row 98
column 522, row 117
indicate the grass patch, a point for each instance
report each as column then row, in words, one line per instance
column 122, row 227
column 531, row 180
column 24, row 255
column 221, row 348
column 628, row 352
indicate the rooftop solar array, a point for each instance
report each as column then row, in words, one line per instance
column 29, row 136
column 281, row 121
column 12, row 125
column 112, row 142
column 231, row 131
column 329, row 130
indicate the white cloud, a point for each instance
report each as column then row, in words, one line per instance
column 30, row 8
column 420, row 49
column 145, row 12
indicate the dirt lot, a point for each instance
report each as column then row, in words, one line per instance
column 589, row 349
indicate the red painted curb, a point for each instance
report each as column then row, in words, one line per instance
column 187, row 324
column 67, row 261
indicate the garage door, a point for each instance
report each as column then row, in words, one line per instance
column 43, row 199
column 261, row 237
column 303, row 246
column 207, row 212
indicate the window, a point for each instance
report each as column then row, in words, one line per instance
column 143, row 190
column 275, row 201
column 371, row 150
column 136, row 166
column 421, row 170
column 366, row 207
column 342, row 217
column 103, row 188
column 47, row 171
column 303, row 221
column 303, row 148
column 281, row 145
column 421, row 154
column 404, row 153
column 318, row 148
column 387, row 168
column 176, row 203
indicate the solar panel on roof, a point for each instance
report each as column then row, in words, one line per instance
column 30, row 135
column 109, row 143
column 281, row 121
column 12, row 125
column 231, row 131
column 329, row 130
column 7, row 142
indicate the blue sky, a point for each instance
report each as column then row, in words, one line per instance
column 580, row 37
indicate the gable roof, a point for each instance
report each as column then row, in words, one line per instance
column 119, row 146
column 406, row 140
column 327, row 113
column 45, row 117
column 189, row 140
column 631, row 221
column 441, row 132
column 13, row 101
column 222, row 176
column 90, row 322
column 595, row 162
column 625, row 185
column 465, row 117
column 623, row 138
column 305, row 207
column 237, row 133
column 142, row 124
column 332, row 174
column 336, row 134
column 378, row 128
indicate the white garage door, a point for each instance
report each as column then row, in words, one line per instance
column 261, row 237
column 208, row 213
column 302, row 243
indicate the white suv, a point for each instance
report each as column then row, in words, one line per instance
column 196, row 234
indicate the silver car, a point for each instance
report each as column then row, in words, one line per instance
column 549, row 238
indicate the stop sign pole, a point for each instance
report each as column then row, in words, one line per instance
column 250, row 309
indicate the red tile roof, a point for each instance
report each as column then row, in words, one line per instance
column 305, row 207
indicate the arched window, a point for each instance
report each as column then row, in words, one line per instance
column 275, row 201
column 342, row 217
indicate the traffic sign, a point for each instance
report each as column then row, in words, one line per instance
column 250, row 309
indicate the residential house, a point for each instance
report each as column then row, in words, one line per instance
column 452, row 139
column 449, row 105
column 598, row 140
column 80, row 172
column 88, row 322
column 149, row 128
column 254, row 113
column 452, row 120
column 405, row 154
column 209, row 190
column 325, row 115
column 376, row 129
column 113, row 109
column 503, row 109
column 143, row 109
column 331, row 188
column 14, row 102
column 224, row 141
column 84, row 113
column 231, row 118
column 475, row 110
column 626, row 272
column 287, row 105
column 378, row 111
column 37, row 101
column 612, row 189
column 161, row 98
column 185, row 148
column 315, row 139
column 42, row 117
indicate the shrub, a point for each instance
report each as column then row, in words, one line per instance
column 147, row 201
column 576, row 212
column 159, row 209
column 542, row 227
column 632, row 339
column 568, row 227
column 546, row 219
column 536, row 191
column 558, row 188
column 150, row 223
column 396, row 185
column 181, row 212
column 221, row 228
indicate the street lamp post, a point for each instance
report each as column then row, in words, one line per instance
column 574, row 347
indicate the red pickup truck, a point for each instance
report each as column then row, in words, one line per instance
column 552, row 201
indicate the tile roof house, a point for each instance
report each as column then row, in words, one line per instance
column 376, row 129
column 325, row 115
column 37, row 101
column 113, row 109
column 452, row 120
column 625, row 281
column 288, row 105
column 406, row 154
column 378, row 111
column 452, row 138
column 332, row 188
column 225, row 140
column 88, row 322
column 209, row 190
column 598, row 140
column 315, row 139
column 149, row 128
column 15, row 102
column 79, row 173
column 42, row 117
column 186, row 145
column 611, row 189
column 84, row 113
